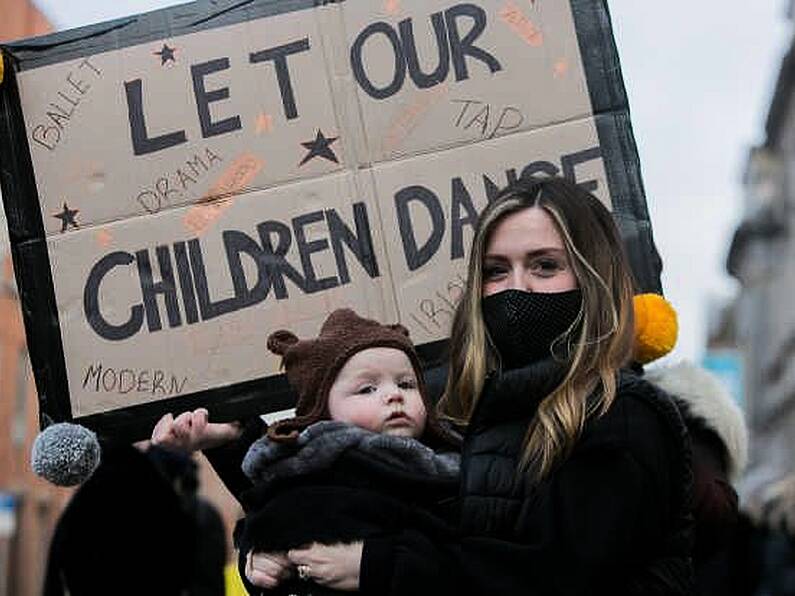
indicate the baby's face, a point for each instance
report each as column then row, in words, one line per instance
column 377, row 390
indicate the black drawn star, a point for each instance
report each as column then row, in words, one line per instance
column 166, row 54
column 67, row 217
column 320, row 147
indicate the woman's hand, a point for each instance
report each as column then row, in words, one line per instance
column 190, row 431
column 335, row 566
column 268, row 570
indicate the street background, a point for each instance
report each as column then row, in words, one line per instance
column 701, row 78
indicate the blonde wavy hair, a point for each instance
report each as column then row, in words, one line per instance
column 598, row 344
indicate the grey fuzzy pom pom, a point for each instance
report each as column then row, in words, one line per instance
column 65, row 454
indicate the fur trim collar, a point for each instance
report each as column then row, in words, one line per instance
column 320, row 445
column 707, row 399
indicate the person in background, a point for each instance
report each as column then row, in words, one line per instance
column 134, row 525
column 718, row 434
column 763, row 550
column 720, row 451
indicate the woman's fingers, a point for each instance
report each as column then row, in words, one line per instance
column 267, row 570
column 257, row 575
column 335, row 566
column 300, row 556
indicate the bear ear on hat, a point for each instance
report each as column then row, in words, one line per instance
column 281, row 341
column 399, row 328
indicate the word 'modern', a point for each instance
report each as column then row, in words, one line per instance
column 101, row 378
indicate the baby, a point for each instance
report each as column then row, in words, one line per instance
column 364, row 456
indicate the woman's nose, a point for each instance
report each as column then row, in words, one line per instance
column 518, row 280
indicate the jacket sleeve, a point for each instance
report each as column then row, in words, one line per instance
column 410, row 562
column 602, row 508
column 715, row 503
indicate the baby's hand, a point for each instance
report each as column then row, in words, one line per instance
column 268, row 570
column 190, row 431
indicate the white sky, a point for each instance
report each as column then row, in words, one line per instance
column 699, row 76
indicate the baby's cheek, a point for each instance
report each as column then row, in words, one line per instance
column 367, row 418
column 420, row 414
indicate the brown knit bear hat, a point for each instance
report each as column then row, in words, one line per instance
column 312, row 365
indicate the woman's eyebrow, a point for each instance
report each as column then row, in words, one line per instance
column 549, row 251
column 537, row 252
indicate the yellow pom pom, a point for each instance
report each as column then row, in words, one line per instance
column 656, row 327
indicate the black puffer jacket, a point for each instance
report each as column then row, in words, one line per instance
column 613, row 518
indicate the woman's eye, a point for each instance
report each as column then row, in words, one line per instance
column 547, row 266
column 493, row 271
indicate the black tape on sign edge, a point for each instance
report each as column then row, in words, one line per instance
column 599, row 55
column 619, row 150
column 30, row 257
column 622, row 168
column 156, row 25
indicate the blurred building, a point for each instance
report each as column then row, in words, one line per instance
column 723, row 355
column 21, row 18
column 30, row 507
column 762, row 259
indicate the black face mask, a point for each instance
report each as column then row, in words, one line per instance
column 523, row 325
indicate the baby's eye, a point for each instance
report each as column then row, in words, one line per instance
column 408, row 384
column 365, row 389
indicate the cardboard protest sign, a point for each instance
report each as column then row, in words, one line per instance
column 182, row 183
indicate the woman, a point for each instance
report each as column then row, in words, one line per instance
column 575, row 473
